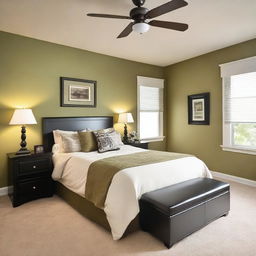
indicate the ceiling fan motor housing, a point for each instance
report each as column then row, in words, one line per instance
column 138, row 2
column 138, row 14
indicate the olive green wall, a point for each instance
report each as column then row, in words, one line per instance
column 29, row 77
column 198, row 75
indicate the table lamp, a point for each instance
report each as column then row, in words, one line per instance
column 23, row 117
column 125, row 118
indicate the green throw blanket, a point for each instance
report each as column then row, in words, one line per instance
column 101, row 172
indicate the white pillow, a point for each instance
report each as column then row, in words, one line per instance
column 55, row 148
column 70, row 143
column 57, row 135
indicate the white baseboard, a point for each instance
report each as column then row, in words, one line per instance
column 244, row 181
column 4, row 191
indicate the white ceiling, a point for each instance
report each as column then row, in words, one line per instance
column 213, row 24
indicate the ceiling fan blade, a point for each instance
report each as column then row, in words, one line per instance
column 127, row 31
column 169, row 25
column 165, row 8
column 97, row 15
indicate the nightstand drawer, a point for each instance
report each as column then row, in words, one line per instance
column 35, row 188
column 30, row 176
column 26, row 167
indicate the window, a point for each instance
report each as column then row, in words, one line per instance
column 239, row 105
column 150, row 108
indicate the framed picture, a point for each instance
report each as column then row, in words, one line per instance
column 199, row 109
column 77, row 92
column 38, row 149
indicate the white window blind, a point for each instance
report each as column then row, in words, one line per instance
column 240, row 98
column 151, row 98
column 239, row 105
column 150, row 108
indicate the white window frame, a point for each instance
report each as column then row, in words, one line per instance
column 227, row 70
column 150, row 82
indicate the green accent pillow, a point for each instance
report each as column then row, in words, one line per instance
column 88, row 141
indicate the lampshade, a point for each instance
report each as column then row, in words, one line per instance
column 23, row 116
column 141, row 27
column 125, row 118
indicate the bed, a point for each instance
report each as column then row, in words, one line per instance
column 119, row 214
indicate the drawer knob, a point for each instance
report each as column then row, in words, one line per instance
column 34, row 166
column 34, row 187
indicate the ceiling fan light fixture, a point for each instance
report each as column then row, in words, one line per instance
column 141, row 27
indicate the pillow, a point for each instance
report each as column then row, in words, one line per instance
column 88, row 141
column 116, row 137
column 58, row 138
column 57, row 135
column 105, row 130
column 70, row 142
column 105, row 141
column 55, row 148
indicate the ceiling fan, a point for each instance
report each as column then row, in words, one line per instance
column 140, row 16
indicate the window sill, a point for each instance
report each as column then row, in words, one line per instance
column 152, row 139
column 239, row 150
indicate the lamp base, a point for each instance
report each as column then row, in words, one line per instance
column 23, row 152
column 125, row 138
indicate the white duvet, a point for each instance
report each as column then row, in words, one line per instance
column 121, row 205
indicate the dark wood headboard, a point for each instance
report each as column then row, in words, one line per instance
column 72, row 124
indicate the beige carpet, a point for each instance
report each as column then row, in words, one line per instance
column 49, row 227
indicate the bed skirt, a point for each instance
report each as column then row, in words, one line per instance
column 88, row 210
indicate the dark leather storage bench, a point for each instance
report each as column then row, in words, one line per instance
column 174, row 212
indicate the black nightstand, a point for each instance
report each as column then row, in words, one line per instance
column 30, row 176
column 137, row 144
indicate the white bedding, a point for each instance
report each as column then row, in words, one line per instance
column 121, row 205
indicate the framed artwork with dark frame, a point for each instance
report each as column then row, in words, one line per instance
column 39, row 149
column 77, row 92
column 199, row 109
